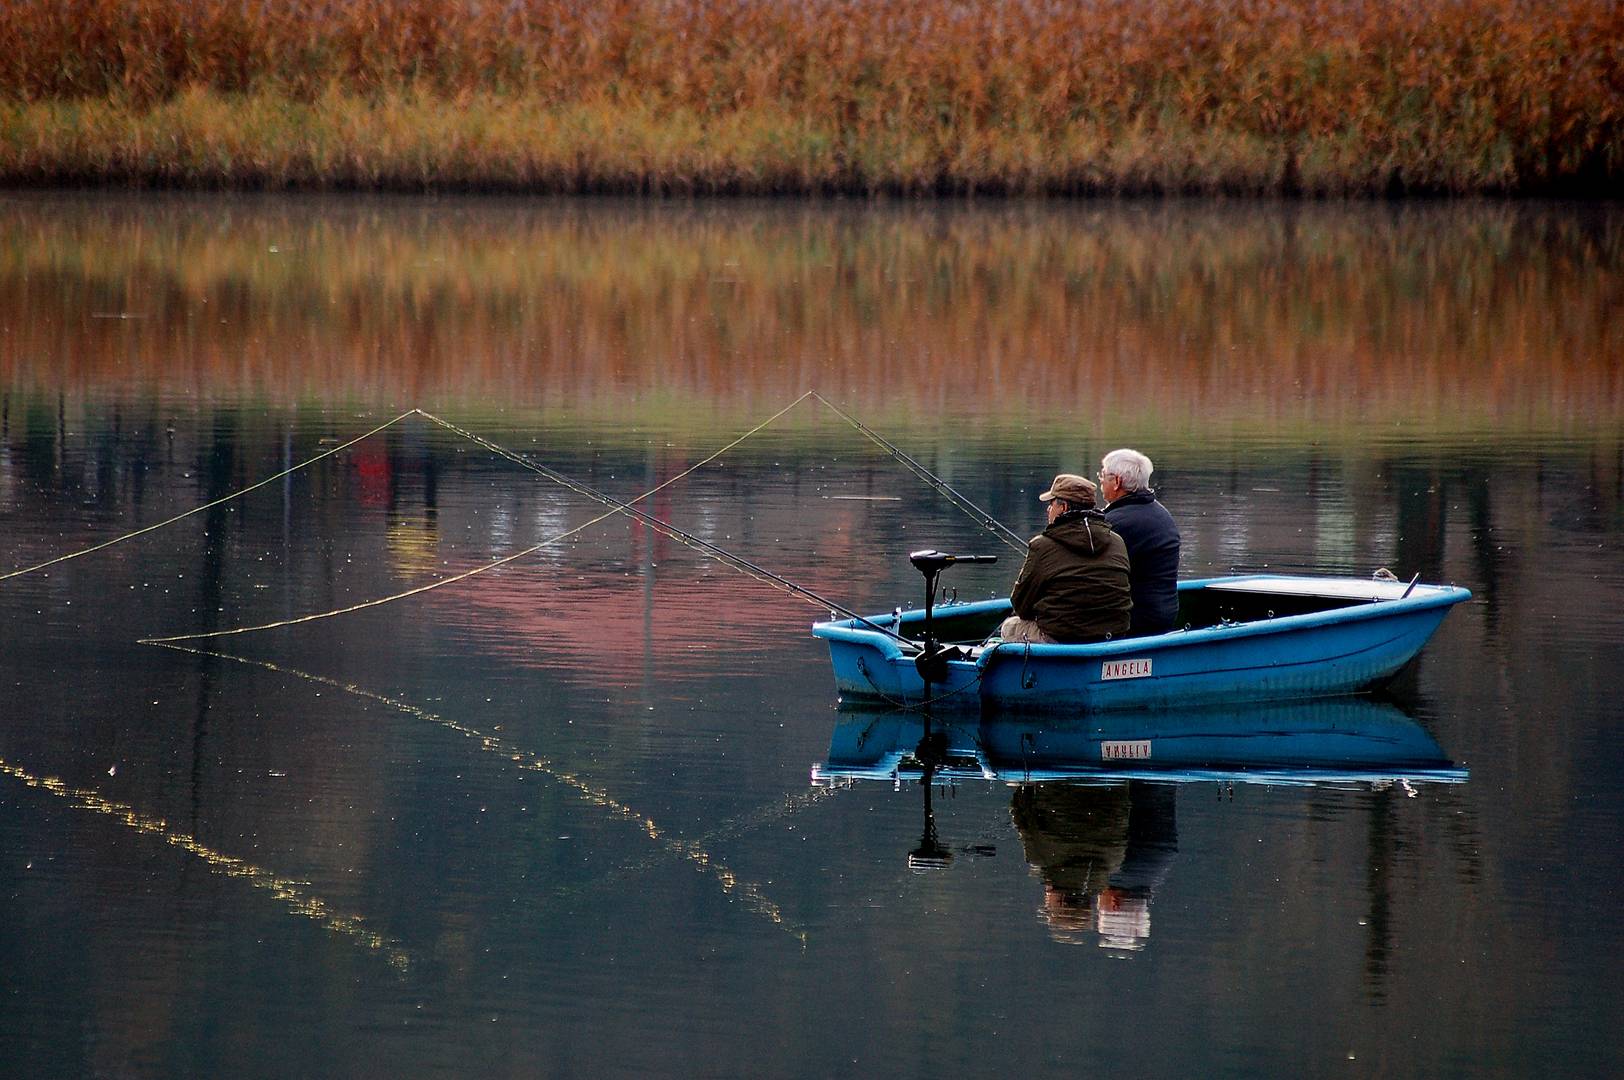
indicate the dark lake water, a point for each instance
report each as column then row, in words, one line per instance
column 559, row 818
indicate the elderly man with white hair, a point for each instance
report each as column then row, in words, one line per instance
column 1151, row 536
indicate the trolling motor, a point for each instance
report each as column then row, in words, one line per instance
column 932, row 661
column 934, row 753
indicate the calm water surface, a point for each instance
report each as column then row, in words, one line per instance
column 559, row 818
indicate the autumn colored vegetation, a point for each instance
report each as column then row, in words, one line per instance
column 910, row 96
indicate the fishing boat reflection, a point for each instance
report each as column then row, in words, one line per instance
column 1094, row 799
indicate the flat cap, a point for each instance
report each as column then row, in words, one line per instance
column 1074, row 489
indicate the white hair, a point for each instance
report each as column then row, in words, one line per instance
column 1131, row 468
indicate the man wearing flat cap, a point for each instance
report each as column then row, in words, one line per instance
column 1073, row 587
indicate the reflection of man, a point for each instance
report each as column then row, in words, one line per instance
column 1073, row 587
column 1151, row 536
column 1075, row 837
column 1101, row 852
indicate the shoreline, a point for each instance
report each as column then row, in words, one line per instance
column 410, row 143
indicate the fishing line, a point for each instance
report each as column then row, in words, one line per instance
column 616, row 506
column 748, row 892
column 307, row 905
column 730, row 829
column 199, row 509
column 739, row 563
column 489, row 565
column 290, row 893
column 682, row 536
column 377, row 601
column 987, row 521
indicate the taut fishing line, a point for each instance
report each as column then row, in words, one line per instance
column 713, row 551
column 199, row 509
column 616, row 506
column 986, row 520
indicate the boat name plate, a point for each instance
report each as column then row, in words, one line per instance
column 1125, row 669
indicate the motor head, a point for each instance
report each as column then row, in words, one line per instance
column 930, row 561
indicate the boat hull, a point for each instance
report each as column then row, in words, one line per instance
column 1280, row 657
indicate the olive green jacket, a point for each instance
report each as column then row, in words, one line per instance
column 1074, row 583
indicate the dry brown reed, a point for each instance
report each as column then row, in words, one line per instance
column 831, row 95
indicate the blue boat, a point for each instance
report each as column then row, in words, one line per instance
column 1336, row 741
column 1260, row 637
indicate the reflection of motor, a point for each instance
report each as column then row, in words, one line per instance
column 934, row 752
column 930, row 854
column 931, row 753
column 932, row 660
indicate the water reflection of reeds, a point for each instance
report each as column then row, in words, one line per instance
column 1468, row 312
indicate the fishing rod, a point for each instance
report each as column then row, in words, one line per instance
column 989, row 522
column 682, row 536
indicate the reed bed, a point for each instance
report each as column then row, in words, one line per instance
column 1345, row 96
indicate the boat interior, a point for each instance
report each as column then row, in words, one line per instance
column 1216, row 603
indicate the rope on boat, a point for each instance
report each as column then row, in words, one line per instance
column 751, row 894
column 208, row 505
column 902, row 706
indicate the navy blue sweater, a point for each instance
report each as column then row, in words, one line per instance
column 1153, row 556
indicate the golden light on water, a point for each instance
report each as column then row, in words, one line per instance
column 294, row 896
column 748, row 893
